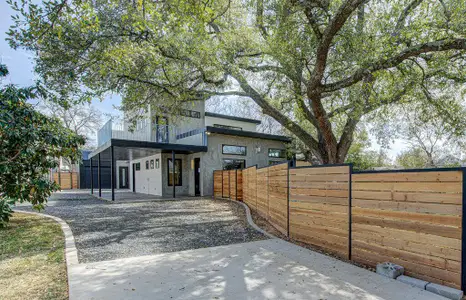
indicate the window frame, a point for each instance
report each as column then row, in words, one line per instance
column 180, row 181
column 232, row 159
column 278, row 157
column 228, row 127
column 245, row 150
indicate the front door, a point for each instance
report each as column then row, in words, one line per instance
column 123, row 176
column 197, row 176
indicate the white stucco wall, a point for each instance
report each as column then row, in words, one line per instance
column 148, row 181
column 246, row 126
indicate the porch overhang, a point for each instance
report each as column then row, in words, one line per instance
column 130, row 149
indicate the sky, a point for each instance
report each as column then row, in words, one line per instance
column 20, row 65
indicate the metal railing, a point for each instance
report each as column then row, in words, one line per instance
column 145, row 131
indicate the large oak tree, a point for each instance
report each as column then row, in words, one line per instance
column 318, row 67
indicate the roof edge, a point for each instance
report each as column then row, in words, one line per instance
column 250, row 134
column 221, row 116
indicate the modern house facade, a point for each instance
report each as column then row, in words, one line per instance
column 199, row 142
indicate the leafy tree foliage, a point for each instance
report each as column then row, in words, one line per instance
column 414, row 158
column 362, row 157
column 317, row 67
column 30, row 144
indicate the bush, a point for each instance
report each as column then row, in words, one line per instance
column 5, row 211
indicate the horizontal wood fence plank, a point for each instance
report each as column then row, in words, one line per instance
column 443, row 176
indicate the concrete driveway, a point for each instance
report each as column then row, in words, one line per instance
column 200, row 249
column 269, row 269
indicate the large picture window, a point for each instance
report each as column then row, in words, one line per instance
column 177, row 174
column 277, row 153
column 233, row 164
column 234, row 150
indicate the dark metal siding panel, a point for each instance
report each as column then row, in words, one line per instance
column 85, row 175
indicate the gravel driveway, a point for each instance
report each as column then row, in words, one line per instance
column 106, row 231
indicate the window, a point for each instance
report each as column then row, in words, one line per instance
column 228, row 127
column 138, row 166
column 162, row 130
column 233, row 164
column 190, row 113
column 156, row 163
column 178, row 174
column 235, row 150
column 277, row 153
column 147, row 165
column 151, row 163
column 141, row 124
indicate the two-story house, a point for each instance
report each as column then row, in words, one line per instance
column 167, row 155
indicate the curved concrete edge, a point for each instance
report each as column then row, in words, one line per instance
column 249, row 218
column 71, row 253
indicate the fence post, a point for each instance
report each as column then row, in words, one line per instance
column 288, row 201
column 350, row 216
column 463, row 237
column 236, row 184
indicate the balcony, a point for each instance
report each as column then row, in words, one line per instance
column 165, row 134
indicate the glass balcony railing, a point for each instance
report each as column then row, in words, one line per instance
column 166, row 134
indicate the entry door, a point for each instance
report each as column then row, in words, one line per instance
column 123, row 176
column 197, row 176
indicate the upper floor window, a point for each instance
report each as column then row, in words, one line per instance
column 277, row 153
column 228, row 127
column 141, row 124
column 234, row 150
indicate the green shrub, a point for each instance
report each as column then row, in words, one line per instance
column 5, row 211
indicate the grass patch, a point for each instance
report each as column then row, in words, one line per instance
column 32, row 259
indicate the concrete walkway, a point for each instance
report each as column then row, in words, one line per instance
column 269, row 269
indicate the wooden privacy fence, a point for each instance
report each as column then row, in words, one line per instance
column 411, row 217
column 66, row 180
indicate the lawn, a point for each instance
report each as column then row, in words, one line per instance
column 32, row 259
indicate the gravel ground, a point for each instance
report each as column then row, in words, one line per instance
column 106, row 231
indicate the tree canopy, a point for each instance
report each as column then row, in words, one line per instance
column 30, row 145
column 318, row 67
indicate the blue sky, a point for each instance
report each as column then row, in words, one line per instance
column 20, row 63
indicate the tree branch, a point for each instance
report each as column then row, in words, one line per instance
column 274, row 113
column 337, row 22
column 437, row 46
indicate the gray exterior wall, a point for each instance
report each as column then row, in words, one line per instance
column 213, row 158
